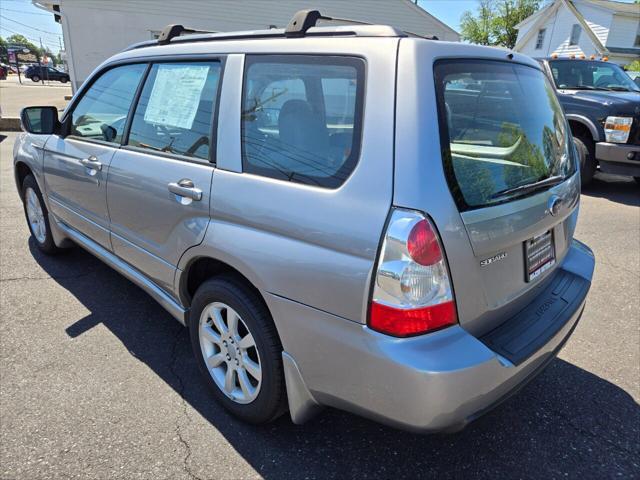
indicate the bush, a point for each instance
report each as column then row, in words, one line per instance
column 633, row 66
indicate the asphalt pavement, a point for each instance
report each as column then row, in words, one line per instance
column 15, row 95
column 97, row 381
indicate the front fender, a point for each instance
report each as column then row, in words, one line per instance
column 28, row 150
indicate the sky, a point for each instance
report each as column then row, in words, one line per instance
column 23, row 17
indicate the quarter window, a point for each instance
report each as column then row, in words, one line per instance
column 175, row 111
column 301, row 117
column 102, row 111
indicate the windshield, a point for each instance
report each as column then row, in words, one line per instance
column 503, row 128
column 590, row 75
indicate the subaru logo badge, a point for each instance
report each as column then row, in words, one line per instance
column 553, row 205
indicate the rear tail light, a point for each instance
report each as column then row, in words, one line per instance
column 412, row 292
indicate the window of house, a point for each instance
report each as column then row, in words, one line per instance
column 540, row 39
column 301, row 117
column 575, row 34
column 102, row 111
column 637, row 42
column 175, row 111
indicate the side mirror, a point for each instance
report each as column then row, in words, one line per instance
column 40, row 120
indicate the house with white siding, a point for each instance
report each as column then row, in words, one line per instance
column 93, row 30
column 602, row 28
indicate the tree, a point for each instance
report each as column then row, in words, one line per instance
column 495, row 21
column 4, row 57
column 21, row 40
column 633, row 66
column 509, row 14
column 478, row 29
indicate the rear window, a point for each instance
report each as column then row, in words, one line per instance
column 301, row 117
column 501, row 128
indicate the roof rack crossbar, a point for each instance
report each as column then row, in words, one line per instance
column 171, row 31
column 303, row 20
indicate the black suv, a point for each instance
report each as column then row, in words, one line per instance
column 602, row 105
column 37, row 73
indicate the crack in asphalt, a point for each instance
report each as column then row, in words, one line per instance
column 586, row 433
column 56, row 277
column 180, row 390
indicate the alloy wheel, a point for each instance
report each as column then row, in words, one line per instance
column 35, row 216
column 230, row 353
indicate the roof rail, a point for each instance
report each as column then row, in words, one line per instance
column 171, row 31
column 302, row 24
column 303, row 20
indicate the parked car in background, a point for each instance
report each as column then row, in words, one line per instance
column 602, row 105
column 386, row 229
column 38, row 72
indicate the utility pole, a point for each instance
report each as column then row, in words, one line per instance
column 40, row 62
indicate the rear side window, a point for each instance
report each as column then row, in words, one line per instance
column 175, row 111
column 102, row 111
column 302, row 117
column 501, row 128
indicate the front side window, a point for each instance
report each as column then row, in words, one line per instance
column 590, row 75
column 575, row 34
column 175, row 111
column 102, row 111
column 540, row 39
column 301, row 117
column 503, row 128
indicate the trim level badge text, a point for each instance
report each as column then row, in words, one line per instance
column 495, row 258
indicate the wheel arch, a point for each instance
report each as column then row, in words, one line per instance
column 21, row 170
column 201, row 268
column 580, row 124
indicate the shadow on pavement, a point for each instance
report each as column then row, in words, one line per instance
column 615, row 188
column 567, row 422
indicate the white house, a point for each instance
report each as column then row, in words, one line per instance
column 583, row 27
column 94, row 30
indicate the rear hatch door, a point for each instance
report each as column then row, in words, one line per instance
column 508, row 209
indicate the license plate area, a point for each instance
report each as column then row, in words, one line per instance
column 539, row 255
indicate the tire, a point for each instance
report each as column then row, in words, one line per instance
column 226, row 294
column 587, row 156
column 37, row 215
column 64, row 80
column 637, row 179
column 35, row 78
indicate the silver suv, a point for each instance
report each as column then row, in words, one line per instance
column 345, row 216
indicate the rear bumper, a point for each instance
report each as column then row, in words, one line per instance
column 619, row 159
column 435, row 382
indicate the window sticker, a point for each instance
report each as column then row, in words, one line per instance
column 176, row 95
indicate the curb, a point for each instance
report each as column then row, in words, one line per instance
column 10, row 124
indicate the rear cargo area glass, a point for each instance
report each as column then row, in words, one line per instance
column 501, row 127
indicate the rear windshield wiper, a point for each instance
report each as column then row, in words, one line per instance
column 530, row 187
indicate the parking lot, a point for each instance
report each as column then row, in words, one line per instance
column 15, row 95
column 98, row 381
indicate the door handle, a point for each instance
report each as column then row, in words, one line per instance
column 92, row 163
column 185, row 188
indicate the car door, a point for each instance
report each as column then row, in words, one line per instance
column 159, row 182
column 76, row 162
